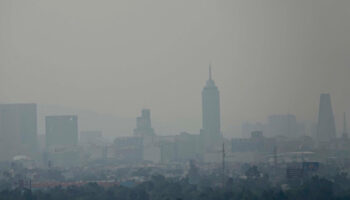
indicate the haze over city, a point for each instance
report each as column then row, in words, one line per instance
column 117, row 57
column 174, row 100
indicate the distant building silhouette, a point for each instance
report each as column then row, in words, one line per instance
column 128, row 149
column 256, row 143
column 61, row 140
column 211, row 110
column 248, row 128
column 87, row 138
column 61, row 131
column 326, row 125
column 143, row 124
column 285, row 125
column 18, row 130
column 277, row 125
column 345, row 131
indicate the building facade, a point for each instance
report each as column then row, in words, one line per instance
column 326, row 125
column 211, row 110
column 61, row 140
column 18, row 130
column 143, row 124
column 61, row 131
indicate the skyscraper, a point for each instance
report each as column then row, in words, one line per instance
column 61, row 131
column 61, row 140
column 18, row 130
column 143, row 124
column 326, row 125
column 211, row 110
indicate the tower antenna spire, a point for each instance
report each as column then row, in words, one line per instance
column 210, row 71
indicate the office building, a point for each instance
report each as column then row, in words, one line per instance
column 61, row 131
column 18, row 130
column 143, row 124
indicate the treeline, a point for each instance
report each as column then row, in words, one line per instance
column 160, row 188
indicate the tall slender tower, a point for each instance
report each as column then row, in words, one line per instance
column 345, row 131
column 211, row 109
column 325, row 126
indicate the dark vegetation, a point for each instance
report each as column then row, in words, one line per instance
column 160, row 188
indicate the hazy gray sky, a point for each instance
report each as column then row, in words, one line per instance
column 268, row 56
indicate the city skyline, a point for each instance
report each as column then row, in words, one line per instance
column 165, row 131
column 119, row 57
column 185, row 99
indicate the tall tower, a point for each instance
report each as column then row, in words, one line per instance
column 211, row 109
column 345, row 132
column 143, row 124
column 325, row 126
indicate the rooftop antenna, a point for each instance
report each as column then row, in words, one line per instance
column 210, row 71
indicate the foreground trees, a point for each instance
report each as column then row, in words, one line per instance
column 160, row 188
